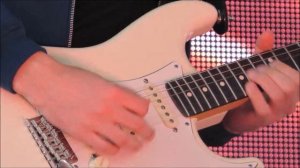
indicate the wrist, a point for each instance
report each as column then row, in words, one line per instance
column 227, row 123
column 35, row 75
column 230, row 130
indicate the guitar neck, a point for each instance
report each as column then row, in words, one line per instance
column 204, row 91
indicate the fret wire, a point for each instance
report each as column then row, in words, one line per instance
column 218, row 86
column 183, row 92
column 186, row 111
column 192, row 88
column 242, row 69
column 272, row 53
column 247, row 57
column 227, row 83
column 251, row 63
column 275, row 55
column 262, row 59
column 209, row 89
column 256, row 61
column 236, row 79
column 232, row 73
column 193, row 93
column 201, row 91
column 267, row 56
column 291, row 58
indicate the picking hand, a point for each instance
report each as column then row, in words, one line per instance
column 83, row 104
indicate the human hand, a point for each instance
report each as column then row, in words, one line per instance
column 281, row 93
column 84, row 105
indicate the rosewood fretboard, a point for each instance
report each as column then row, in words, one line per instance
column 199, row 92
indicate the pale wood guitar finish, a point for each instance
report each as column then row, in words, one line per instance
column 151, row 48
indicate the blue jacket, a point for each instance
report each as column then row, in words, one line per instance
column 46, row 22
column 50, row 23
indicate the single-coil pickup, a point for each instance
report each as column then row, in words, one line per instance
column 158, row 100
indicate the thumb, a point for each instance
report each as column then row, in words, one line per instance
column 265, row 41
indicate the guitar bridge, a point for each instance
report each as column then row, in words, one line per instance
column 52, row 143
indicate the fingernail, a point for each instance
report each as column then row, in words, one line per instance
column 272, row 64
column 261, row 68
column 250, row 73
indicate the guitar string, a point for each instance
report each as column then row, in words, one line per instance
column 180, row 92
column 225, row 71
column 159, row 85
column 194, row 81
column 166, row 97
column 206, row 77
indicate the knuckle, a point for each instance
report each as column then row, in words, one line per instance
column 114, row 93
column 262, row 68
column 280, row 64
column 276, row 63
column 292, row 89
column 122, row 141
column 264, row 113
column 115, row 114
column 251, row 74
column 110, row 149
column 271, row 71
column 139, row 124
column 258, row 76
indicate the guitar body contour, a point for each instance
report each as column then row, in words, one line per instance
column 151, row 48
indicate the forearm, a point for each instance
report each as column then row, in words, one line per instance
column 16, row 48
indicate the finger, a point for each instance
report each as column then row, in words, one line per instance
column 260, row 77
column 135, row 123
column 265, row 41
column 115, row 135
column 257, row 99
column 100, row 145
column 135, row 103
column 286, row 83
column 287, row 70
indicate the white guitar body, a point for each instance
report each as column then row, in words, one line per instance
column 149, row 52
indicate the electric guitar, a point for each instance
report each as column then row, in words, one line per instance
column 149, row 58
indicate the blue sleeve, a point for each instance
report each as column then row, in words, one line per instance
column 216, row 135
column 15, row 47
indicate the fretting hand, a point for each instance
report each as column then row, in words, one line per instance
column 281, row 93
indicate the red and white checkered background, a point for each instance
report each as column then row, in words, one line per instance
column 277, row 145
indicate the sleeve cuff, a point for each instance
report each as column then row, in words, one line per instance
column 216, row 135
column 13, row 54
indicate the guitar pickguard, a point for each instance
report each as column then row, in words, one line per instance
column 171, row 128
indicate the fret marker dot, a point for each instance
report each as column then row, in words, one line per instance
column 204, row 89
column 189, row 94
column 270, row 60
column 241, row 77
column 222, row 83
